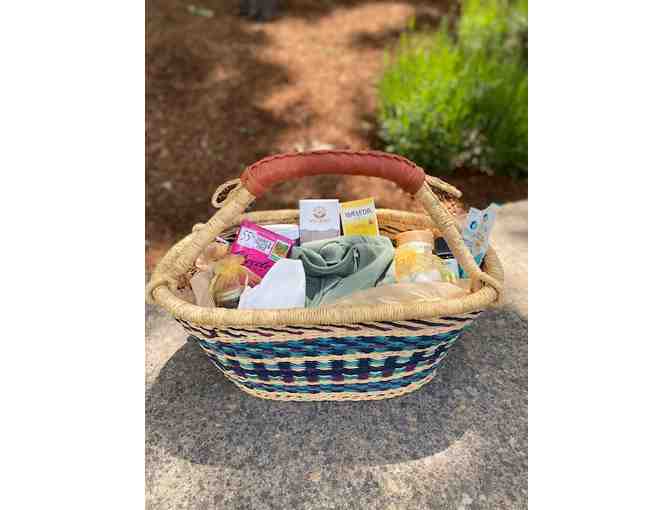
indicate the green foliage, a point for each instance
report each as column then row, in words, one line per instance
column 449, row 101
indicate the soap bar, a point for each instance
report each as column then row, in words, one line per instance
column 319, row 219
column 359, row 218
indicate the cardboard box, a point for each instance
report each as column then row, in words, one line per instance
column 319, row 219
column 359, row 218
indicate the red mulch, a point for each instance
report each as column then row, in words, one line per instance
column 223, row 92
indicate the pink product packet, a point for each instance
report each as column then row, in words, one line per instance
column 261, row 247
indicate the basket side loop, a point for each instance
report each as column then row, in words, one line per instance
column 222, row 191
column 237, row 200
column 155, row 282
column 160, row 276
column 448, row 227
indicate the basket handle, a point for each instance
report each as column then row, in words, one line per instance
column 264, row 174
column 260, row 176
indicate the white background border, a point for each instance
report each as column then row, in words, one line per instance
column 72, row 120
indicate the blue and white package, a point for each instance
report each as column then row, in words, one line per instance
column 452, row 270
column 476, row 233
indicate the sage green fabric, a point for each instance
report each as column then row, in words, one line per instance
column 337, row 267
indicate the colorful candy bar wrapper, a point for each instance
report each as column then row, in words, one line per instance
column 261, row 248
column 477, row 231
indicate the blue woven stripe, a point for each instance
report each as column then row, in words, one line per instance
column 328, row 370
column 375, row 364
column 326, row 379
column 326, row 346
column 342, row 388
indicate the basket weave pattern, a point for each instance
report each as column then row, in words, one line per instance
column 329, row 353
column 336, row 362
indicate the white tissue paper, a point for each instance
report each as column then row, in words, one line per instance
column 284, row 286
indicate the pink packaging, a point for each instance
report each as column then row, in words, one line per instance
column 261, row 248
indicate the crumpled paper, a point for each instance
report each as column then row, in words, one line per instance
column 284, row 286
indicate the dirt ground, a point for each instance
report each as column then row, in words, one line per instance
column 223, row 92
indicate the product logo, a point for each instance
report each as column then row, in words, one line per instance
column 319, row 215
column 358, row 213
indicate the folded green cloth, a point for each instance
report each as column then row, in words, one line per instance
column 337, row 267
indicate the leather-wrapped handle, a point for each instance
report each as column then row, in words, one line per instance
column 264, row 174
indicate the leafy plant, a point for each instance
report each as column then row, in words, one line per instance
column 449, row 101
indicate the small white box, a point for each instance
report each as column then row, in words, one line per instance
column 319, row 219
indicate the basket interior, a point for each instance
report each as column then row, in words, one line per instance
column 391, row 222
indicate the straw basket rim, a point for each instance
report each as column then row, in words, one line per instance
column 482, row 298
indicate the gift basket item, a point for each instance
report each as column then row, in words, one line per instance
column 365, row 352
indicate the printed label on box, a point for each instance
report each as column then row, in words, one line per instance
column 359, row 218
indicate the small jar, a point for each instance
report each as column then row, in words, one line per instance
column 228, row 298
column 229, row 281
column 413, row 258
column 421, row 241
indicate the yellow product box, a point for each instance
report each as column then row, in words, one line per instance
column 358, row 218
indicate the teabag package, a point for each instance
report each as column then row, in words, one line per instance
column 477, row 231
column 319, row 219
column 358, row 218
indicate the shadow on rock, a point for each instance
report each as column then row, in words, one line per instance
column 195, row 413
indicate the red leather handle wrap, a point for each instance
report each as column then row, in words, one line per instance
column 264, row 174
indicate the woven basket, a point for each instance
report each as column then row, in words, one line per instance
column 329, row 353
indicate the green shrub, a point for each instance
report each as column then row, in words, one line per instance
column 448, row 102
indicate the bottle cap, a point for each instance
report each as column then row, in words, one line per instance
column 424, row 236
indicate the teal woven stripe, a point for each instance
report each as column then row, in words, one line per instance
column 328, row 346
